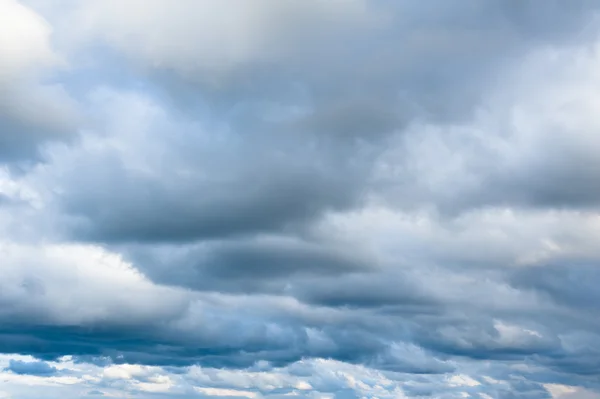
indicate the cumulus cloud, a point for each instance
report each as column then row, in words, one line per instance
column 530, row 144
column 30, row 368
column 307, row 378
column 34, row 108
column 347, row 199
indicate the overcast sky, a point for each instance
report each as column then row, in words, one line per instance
column 324, row 199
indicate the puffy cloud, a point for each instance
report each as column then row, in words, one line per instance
column 531, row 144
column 305, row 379
column 30, row 368
column 221, row 183
column 34, row 108
column 158, row 33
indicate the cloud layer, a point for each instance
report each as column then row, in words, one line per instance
column 324, row 199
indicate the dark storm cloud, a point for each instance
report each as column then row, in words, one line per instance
column 261, row 265
column 231, row 349
column 259, row 201
column 396, row 292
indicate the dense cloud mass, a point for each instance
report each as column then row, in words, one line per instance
column 330, row 199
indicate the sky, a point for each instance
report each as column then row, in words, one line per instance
column 322, row 199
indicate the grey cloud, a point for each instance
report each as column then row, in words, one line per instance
column 31, row 368
column 249, row 184
column 262, row 265
column 258, row 191
column 241, row 332
column 391, row 292
column 530, row 17
column 483, row 340
column 520, row 150
column 569, row 283
column 34, row 110
column 175, row 346
column 148, row 212
column 22, row 141
column 281, row 168
column 383, row 199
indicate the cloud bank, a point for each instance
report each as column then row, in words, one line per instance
column 323, row 199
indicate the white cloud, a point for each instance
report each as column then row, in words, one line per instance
column 210, row 36
column 531, row 143
column 25, row 45
column 101, row 286
column 33, row 109
column 225, row 392
column 558, row 391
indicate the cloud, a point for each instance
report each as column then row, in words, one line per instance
column 252, row 184
column 34, row 110
column 256, row 31
column 348, row 199
column 30, row 368
column 306, row 379
column 527, row 146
